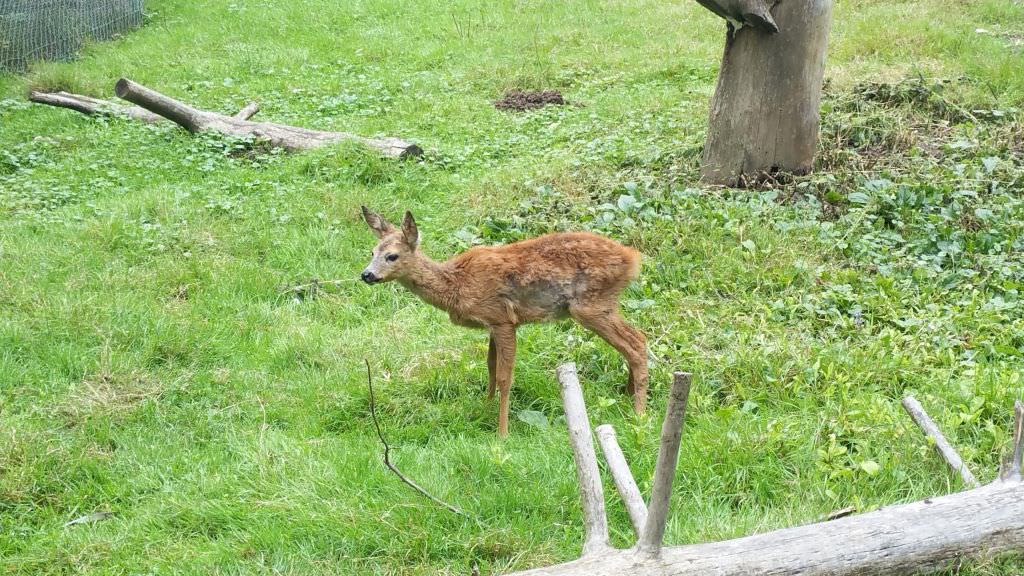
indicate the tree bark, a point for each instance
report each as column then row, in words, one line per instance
column 153, row 106
column 905, row 539
column 765, row 111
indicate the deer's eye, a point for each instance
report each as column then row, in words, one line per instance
column 391, row 257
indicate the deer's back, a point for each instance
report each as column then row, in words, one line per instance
column 540, row 279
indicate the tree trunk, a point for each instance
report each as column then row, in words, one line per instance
column 765, row 111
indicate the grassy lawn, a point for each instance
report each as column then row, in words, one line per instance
column 157, row 361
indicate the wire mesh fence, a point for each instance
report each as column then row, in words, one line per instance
column 32, row 30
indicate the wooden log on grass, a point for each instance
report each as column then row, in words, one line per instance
column 922, row 536
column 907, row 539
column 152, row 106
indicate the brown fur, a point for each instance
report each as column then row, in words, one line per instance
column 572, row 274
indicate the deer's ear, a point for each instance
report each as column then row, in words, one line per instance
column 377, row 223
column 409, row 230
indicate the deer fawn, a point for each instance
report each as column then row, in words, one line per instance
column 543, row 279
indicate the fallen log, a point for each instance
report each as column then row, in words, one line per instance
column 152, row 106
column 904, row 539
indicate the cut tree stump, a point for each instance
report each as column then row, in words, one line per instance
column 765, row 111
column 153, row 106
column 905, row 539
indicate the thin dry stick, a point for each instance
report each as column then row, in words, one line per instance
column 387, row 451
column 591, row 494
column 843, row 513
column 665, row 469
column 624, row 482
column 315, row 285
column 949, row 454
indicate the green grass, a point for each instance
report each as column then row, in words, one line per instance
column 154, row 362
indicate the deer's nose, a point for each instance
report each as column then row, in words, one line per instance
column 368, row 277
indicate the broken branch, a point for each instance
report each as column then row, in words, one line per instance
column 249, row 111
column 93, row 106
column 387, row 451
column 948, row 453
column 624, row 482
column 591, row 493
column 665, row 469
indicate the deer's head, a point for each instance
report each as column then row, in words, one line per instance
column 395, row 251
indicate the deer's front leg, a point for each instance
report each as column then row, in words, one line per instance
column 492, row 358
column 504, row 338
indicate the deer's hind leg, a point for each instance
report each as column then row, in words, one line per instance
column 630, row 342
column 504, row 338
column 492, row 360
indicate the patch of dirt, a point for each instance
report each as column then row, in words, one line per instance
column 519, row 100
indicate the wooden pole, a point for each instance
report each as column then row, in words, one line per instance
column 665, row 469
column 910, row 538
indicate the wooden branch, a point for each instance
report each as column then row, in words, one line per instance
column 249, row 111
column 948, row 453
column 387, row 452
column 93, row 106
column 739, row 13
column 279, row 135
column 624, row 482
column 665, row 469
column 1011, row 468
column 591, row 494
column 898, row 540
